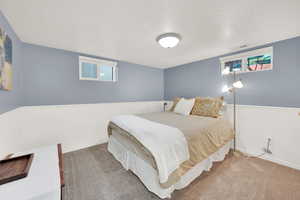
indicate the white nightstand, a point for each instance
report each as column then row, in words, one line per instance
column 45, row 178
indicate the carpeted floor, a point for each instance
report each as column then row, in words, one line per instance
column 93, row 174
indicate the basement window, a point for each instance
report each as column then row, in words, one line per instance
column 93, row 69
column 249, row 61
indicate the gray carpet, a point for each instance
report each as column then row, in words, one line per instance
column 93, row 174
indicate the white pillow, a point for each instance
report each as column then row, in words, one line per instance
column 184, row 106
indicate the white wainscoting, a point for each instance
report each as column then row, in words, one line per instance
column 257, row 123
column 75, row 126
column 9, row 132
column 80, row 126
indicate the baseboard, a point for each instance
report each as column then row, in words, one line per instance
column 273, row 159
column 101, row 141
column 281, row 162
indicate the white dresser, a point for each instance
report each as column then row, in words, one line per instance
column 44, row 180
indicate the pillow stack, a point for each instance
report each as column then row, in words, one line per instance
column 201, row 106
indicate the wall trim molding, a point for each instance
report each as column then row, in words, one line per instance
column 264, row 107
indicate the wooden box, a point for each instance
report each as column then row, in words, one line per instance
column 12, row 169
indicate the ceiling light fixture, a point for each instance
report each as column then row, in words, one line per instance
column 168, row 40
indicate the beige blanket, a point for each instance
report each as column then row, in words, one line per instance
column 204, row 136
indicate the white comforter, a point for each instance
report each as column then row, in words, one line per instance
column 167, row 144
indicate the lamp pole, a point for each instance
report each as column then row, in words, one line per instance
column 234, row 111
column 236, row 84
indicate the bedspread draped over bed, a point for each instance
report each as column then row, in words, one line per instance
column 204, row 136
column 168, row 153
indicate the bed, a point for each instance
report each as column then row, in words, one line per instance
column 167, row 151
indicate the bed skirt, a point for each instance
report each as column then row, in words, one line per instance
column 148, row 175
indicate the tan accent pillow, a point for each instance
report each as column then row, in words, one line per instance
column 207, row 107
column 175, row 101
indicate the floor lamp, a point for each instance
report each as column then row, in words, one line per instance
column 237, row 84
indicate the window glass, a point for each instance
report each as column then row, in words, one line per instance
column 235, row 65
column 89, row 70
column 261, row 62
column 106, row 73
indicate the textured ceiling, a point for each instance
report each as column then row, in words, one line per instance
column 126, row 30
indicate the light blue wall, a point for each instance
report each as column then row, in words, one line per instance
column 279, row 87
column 12, row 99
column 51, row 78
column 47, row 76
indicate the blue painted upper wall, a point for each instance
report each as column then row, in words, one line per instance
column 12, row 99
column 279, row 87
column 51, row 77
column 47, row 76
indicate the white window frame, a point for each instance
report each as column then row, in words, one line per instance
column 244, row 56
column 99, row 63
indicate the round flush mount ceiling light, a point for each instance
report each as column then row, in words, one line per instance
column 168, row 40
